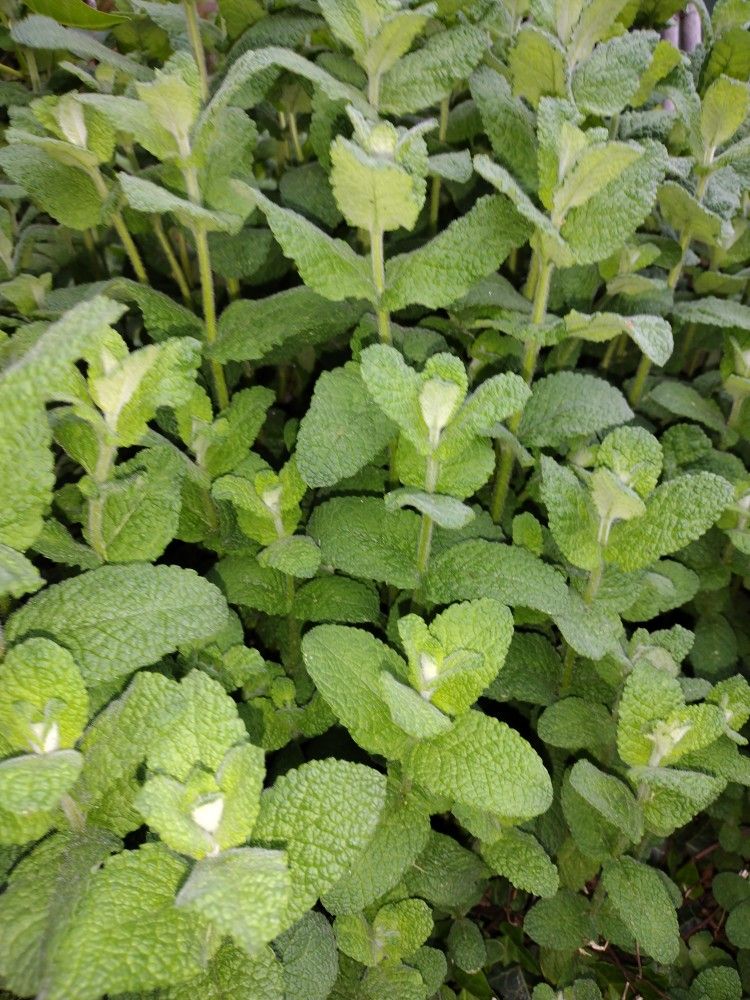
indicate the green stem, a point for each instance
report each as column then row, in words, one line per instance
column 644, row 367
column 505, row 459
column 174, row 264
column 567, row 674
column 373, row 90
column 208, row 296
column 293, row 132
column 102, row 473
column 639, row 382
column 445, row 105
column 209, row 311
column 33, row 70
column 233, row 288
column 377, row 261
column 610, row 352
column 196, row 44
column 73, row 813
column 121, row 229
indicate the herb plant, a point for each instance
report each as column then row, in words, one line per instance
column 375, row 521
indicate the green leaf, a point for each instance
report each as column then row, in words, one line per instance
column 76, row 15
column 508, row 123
column 468, row 249
column 328, row 266
column 202, row 726
column 651, row 333
column 145, row 196
column 36, row 782
column 336, row 599
column 562, row 922
column 711, row 311
column 482, row 763
column 64, row 192
column 345, row 664
column 678, row 512
column 43, row 702
column 609, row 797
column 230, row 972
column 520, row 858
column 38, row 32
column 411, row 712
column 43, row 890
column 686, row 214
column 508, row 573
column 377, row 545
column 342, row 431
column 537, row 66
column 724, row 107
column 607, row 80
column 641, row 900
column 568, row 405
column 140, row 508
column 447, row 512
column 684, row 401
column 242, row 893
column 572, row 517
column 250, row 329
column 295, row 555
column 128, row 911
column 466, row 946
column 599, row 227
column 672, row 798
column 400, row 836
column 323, row 813
column 18, row 575
column 648, row 697
column 26, row 472
column 310, row 961
column 575, row 724
column 118, row 618
column 423, row 77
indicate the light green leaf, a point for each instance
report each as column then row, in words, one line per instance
column 447, row 512
column 18, row 575
column 401, row 834
column 336, row 599
column 411, row 712
column 678, row 512
column 444, row 269
column 43, row 702
column 642, row 902
column 523, row 861
column 328, row 266
column 377, row 545
column 35, row 908
column 724, row 107
column 652, row 334
column 569, row 405
column 342, row 431
column 421, row 78
column 508, row 123
column 145, row 196
column 63, row 191
column 118, row 618
column 537, row 66
column 294, row 555
column 36, row 782
column 672, row 798
column 73, row 14
column 562, row 922
column 346, row 664
column 609, row 797
column 684, row 401
column 482, row 763
column 373, row 192
column 323, row 813
column 116, row 942
column 250, row 329
column 242, row 893
column 571, row 514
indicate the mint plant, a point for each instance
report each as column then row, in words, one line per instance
column 375, row 515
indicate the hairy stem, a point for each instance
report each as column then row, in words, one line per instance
column 102, row 473
column 377, row 261
column 445, row 105
column 196, row 44
column 505, row 459
column 294, row 133
column 174, row 264
column 120, row 228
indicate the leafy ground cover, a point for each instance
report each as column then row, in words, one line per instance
column 374, row 502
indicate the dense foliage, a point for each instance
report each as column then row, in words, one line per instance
column 374, row 502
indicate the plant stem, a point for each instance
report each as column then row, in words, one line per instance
column 233, row 288
column 378, row 276
column 121, row 229
column 174, row 264
column 445, row 105
column 505, row 459
column 644, row 367
column 102, row 473
column 196, row 44
column 293, row 132
column 182, row 250
column 73, row 813
column 373, row 90
column 208, row 296
column 209, row 311
column 33, row 71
